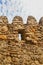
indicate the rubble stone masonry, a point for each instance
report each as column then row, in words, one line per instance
column 26, row 50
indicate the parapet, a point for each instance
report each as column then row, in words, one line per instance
column 17, row 18
column 30, row 32
column 31, row 20
column 17, row 22
column 3, row 20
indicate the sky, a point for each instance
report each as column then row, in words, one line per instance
column 23, row 8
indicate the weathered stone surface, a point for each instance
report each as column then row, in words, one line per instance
column 18, row 23
column 28, row 50
column 41, row 21
column 3, row 19
column 31, row 20
column 17, row 18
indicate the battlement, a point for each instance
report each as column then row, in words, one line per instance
column 30, row 32
column 21, row 44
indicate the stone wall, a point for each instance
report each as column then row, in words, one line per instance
column 28, row 50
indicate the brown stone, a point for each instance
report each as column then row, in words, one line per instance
column 28, row 50
column 31, row 20
column 3, row 37
column 41, row 21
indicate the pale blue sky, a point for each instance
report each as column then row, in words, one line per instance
column 23, row 8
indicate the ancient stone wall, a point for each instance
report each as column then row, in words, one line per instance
column 25, row 51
